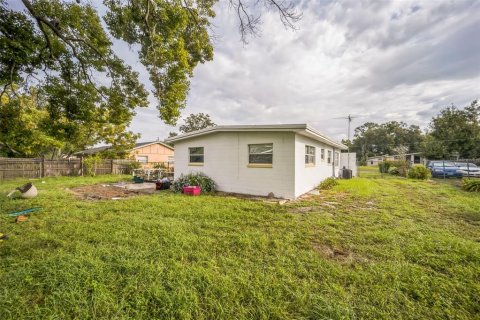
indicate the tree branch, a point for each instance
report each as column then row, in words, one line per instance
column 66, row 39
column 249, row 23
column 288, row 14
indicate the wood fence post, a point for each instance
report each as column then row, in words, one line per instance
column 81, row 165
column 42, row 167
column 111, row 166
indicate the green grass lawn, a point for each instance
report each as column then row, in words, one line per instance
column 367, row 249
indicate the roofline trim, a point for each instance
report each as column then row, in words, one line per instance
column 103, row 148
column 150, row 143
column 297, row 128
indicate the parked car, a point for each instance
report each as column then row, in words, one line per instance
column 468, row 169
column 441, row 169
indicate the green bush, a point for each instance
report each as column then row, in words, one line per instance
column 90, row 164
column 159, row 165
column 327, row 183
column 133, row 165
column 471, row 185
column 401, row 166
column 419, row 172
column 394, row 171
column 384, row 166
column 194, row 179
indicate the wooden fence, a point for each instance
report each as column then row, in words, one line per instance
column 11, row 168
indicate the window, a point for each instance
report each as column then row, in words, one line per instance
column 142, row 159
column 309, row 155
column 260, row 153
column 336, row 158
column 322, row 154
column 196, row 154
column 329, row 158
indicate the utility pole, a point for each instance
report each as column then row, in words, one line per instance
column 349, row 118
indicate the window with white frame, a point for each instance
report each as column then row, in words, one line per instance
column 309, row 155
column 336, row 158
column 329, row 156
column 260, row 153
column 142, row 159
column 322, row 154
column 196, row 154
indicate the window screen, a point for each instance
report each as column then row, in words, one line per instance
column 196, row 154
column 329, row 158
column 142, row 159
column 309, row 155
column 260, row 153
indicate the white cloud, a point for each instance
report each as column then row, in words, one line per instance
column 396, row 60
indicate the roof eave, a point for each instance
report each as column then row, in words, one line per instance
column 314, row 134
column 297, row 128
column 241, row 128
column 154, row 142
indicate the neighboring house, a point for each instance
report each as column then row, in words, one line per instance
column 413, row 158
column 287, row 160
column 374, row 161
column 147, row 153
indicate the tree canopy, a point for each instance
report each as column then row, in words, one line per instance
column 196, row 122
column 386, row 138
column 454, row 132
column 60, row 57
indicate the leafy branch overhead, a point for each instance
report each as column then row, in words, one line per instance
column 173, row 38
column 250, row 20
column 62, row 51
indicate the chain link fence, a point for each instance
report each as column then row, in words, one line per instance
column 441, row 169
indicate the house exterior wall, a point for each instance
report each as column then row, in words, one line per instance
column 226, row 162
column 374, row 161
column 155, row 153
column 307, row 177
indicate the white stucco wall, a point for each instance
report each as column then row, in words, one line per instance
column 226, row 162
column 308, row 177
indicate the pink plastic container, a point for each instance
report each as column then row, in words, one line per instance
column 191, row 190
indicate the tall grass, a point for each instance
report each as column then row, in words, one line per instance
column 366, row 249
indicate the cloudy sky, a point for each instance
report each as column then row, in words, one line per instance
column 380, row 60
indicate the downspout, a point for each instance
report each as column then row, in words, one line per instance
column 333, row 163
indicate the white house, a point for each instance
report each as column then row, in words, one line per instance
column 413, row 158
column 287, row 160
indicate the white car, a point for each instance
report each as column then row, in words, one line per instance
column 468, row 170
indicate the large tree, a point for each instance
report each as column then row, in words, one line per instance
column 196, row 122
column 386, row 138
column 454, row 132
column 62, row 52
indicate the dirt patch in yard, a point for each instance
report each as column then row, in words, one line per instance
column 340, row 255
column 304, row 209
column 252, row 197
column 471, row 217
column 323, row 208
column 105, row 192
